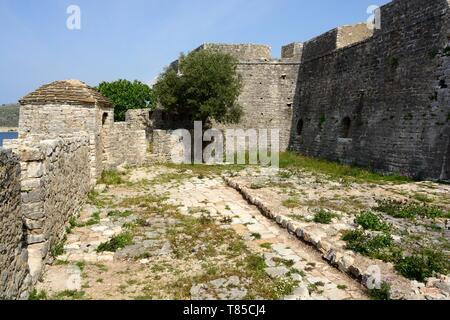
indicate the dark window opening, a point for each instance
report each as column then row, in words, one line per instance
column 104, row 118
column 345, row 128
column 299, row 127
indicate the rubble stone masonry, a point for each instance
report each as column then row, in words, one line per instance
column 382, row 102
column 14, row 273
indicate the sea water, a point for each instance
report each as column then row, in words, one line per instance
column 6, row 136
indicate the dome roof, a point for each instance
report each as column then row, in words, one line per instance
column 72, row 92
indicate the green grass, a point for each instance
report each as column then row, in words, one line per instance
column 422, row 198
column 95, row 219
column 256, row 263
column 38, row 295
column 410, row 210
column 285, row 262
column 266, row 245
column 95, row 199
column 111, row 178
column 370, row 221
column 256, row 236
column 119, row 214
column 290, row 160
column 257, row 186
column 423, row 265
column 324, row 217
column 118, row 242
column 57, row 249
column 203, row 170
column 69, row 295
column 291, row 203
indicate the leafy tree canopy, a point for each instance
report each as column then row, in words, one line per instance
column 127, row 95
column 205, row 87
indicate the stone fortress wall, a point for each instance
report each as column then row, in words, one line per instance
column 270, row 86
column 382, row 102
column 373, row 98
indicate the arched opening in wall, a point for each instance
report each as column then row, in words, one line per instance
column 104, row 118
column 345, row 128
column 299, row 128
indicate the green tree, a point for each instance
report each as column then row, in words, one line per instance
column 205, row 87
column 127, row 95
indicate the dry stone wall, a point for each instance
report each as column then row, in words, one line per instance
column 140, row 119
column 14, row 273
column 55, row 181
column 124, row 144
column 163, row 146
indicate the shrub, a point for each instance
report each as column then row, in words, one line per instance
column 205, row 86
column 374, row 246
column 370, row 221
column 423, row 265
column 383, row 293
column 116, row 243
column 127, row 95
column 410, row 210
column 324, row 217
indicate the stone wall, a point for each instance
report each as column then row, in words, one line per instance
column 54, row 120
column 55, row 181
column 268, row 97
column 242, row 52
column 125, row 144
column 163, row 145
column 335, row 39
column 382, row 102
column 140, row 119
column 14, row 272
column 292, row 51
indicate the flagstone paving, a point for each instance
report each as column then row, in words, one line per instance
column 168, row 233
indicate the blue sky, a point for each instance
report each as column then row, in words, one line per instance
column 135, row 39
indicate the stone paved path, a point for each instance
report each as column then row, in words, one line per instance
column 192, row 238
